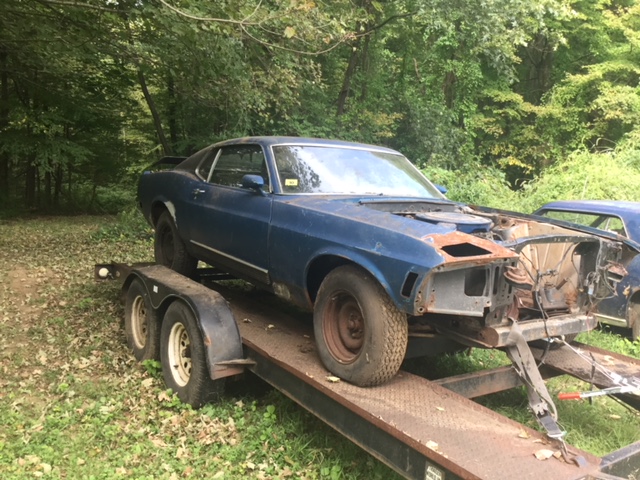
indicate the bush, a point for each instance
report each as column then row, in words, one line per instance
column 475, row 185
column 584, row 176
column 130, row 223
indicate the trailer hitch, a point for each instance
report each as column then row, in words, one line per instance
column 540, row 400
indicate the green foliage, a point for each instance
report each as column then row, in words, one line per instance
column 129, row 224
column 584, row 176
column 484, row 186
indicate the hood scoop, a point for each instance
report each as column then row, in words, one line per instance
column 463, row 222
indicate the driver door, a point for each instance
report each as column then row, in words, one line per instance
column 232, row 223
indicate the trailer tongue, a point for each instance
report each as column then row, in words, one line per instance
column 420, row 428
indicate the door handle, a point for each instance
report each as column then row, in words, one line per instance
column 197, row 192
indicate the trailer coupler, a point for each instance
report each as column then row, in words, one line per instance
column 540, row 400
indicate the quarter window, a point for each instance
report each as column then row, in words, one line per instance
column 236, row 161
column 595, row 220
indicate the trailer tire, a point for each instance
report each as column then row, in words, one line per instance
column 361, row 336
column 183, row 358
column 141, row 326
column 169, row 249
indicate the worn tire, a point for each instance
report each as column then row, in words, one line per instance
column 169, row 249
column 360, row 335
column 633, row 317
column 183, row 358
column 141, row 327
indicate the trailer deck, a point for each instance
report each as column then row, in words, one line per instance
column 421, row 429
column 427, row 430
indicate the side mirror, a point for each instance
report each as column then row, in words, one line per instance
column 443, row 190
column 253, row 182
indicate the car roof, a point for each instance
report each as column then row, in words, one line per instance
column 611, row 207
column 628, row 211
column 269, row 141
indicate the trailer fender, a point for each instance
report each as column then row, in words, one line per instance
column 218, row 327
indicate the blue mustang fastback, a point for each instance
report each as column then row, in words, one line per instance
column 388, row 265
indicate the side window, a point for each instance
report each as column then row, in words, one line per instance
column 587, row 219
column 615, row 225
column 208, row 157
column 236, row 161
column 603, row 222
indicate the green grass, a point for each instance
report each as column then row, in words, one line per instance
column 75, row 404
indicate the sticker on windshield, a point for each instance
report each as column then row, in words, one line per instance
column 291, row 182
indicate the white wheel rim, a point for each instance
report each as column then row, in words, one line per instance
column 179, row 354
column 139, row 322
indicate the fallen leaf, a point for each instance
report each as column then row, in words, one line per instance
column 432, row 445
column 523, row 434
column 543, row 454
column 333, row 379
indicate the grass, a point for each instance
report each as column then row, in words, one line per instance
column 75, row 404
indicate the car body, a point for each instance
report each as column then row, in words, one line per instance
column 622, row 307
column 357, row 234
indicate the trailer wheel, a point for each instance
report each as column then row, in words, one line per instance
column 183, row 358
column 169, row 249
column 360, row 334
column 141, row 326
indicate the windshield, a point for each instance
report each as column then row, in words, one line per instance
column 342, row 170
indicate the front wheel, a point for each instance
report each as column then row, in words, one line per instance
column 183, row 358
column 360, row 334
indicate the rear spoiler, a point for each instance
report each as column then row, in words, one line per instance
column 165, row 163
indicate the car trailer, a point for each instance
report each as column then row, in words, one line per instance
column 426, row 430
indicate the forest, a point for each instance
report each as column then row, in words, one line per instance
column 508, row 103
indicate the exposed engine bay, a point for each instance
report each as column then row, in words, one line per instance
column 501, row 268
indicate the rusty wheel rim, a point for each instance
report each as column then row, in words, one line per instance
column 344, row 327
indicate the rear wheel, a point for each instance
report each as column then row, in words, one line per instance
column 169, row 249
column 633, row 317
column 141, row 326
column 183, row 358
column 360, row 334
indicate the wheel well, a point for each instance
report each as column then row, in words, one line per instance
column 633, row 309
column 320, row 268
column 157, row 209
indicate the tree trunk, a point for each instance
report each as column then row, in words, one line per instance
column 57, row 186
column 30, row 183
column 173, row 111
column 47, row 189
column 537, row 66
column 4, row 121
column 348, row 76
column 154, row 113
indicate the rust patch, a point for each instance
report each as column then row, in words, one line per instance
column 472, row 256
